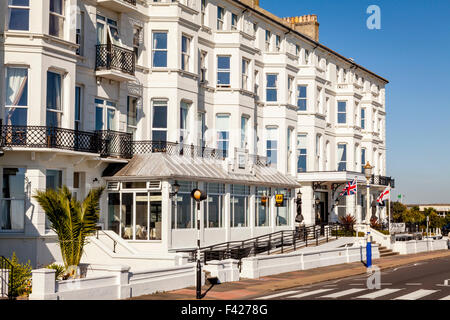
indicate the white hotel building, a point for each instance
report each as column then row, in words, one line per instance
column 138, row 95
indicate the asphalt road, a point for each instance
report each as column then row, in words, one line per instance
column 419, row 281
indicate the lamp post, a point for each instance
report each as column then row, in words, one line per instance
column 368, row 174
column 198, row 196
column 299, row 218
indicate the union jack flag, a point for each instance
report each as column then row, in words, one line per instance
column 349, row 189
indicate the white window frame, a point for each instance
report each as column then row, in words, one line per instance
column 245, row 71
column 346, row 156
column 105, row 107
column 203, row 8
column 159, row 103
column 341, row 112
column 10, row 6
column 78, row 122
column 268, row 37
column 277, row 43
column 156, row 49
column 59, row 16
column 234, row 24
column 363, row 118
column 186, row 55
column 220, row 18
column 302, row 98
column 223, row 71
column 203, row 66
column 26, row 83
column 272, row 88
column 80, row 32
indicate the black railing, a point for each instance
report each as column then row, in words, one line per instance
column 114, row 241
column 382, row 181
column 48, row 137
column 104, row 142
column 110, row 56
column 6, row 278
column 278, row 242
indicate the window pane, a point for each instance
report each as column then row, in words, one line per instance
column 223, row 62
column 53, row 119
column 16, row 116
column 111, row 124
column 223, row 78
column 342, row 118
column 271, row 95
column 302, row 91
column 19, row 19
column 77, row 103
column 159, row 40
column 159, row 116
column 132, row 111
column 53, row 179
column 24, row 3
column 56, row 6
column 98, row 118
column 16, row 87
column 271, row 80
column 342, row 106
column 158, row 135
column 53, row 91
column 160, row 58
column 56, row 26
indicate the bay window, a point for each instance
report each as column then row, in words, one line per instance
column 185, row 52
column 56, row 19
column 302, row 98
column 16, row 99
column 342, row 157
column 342, row 112
column 54, row 99
column 223, row 71
column 271, row 88
column 184, row 121
column 159, row 121
column 19, row 15
column 223, row 133
column 302, row 153
column 272, row 145
column 159, row 50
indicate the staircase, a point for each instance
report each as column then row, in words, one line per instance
column 385, row 252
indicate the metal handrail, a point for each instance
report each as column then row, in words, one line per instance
column 114, row 241
column 6, row 267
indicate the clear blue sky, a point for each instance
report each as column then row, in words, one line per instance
column 412, row 50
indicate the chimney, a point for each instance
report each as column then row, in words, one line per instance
column 307, row 25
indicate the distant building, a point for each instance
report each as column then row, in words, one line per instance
column 441, row 209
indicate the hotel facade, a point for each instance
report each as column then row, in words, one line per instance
column 154, row 98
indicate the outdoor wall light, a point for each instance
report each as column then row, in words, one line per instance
column 175, row 188
column 368, row 171
column 95, row 180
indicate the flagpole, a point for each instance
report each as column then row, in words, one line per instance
column 356, row 200
column 389, row 208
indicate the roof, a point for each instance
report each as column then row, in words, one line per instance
column 249, row 5
column 165, row 166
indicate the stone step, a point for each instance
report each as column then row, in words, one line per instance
column 387, row 254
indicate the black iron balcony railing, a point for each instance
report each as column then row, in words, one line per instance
column 107, row 143
column 132, row 2
column 382, row 181
column 48, row 137
column 112, row 57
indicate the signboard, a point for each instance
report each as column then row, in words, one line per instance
column 279, row 200
column 398, row 227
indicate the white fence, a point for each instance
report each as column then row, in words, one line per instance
column 417, row 246
column 111, row 282
column 260, row 266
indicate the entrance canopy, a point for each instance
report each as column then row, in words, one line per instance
column 165, row 166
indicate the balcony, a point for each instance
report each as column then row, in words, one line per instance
column 105, row 143
column 114, row 63
column 382, row 181
column 121, row 6
column 48, row 137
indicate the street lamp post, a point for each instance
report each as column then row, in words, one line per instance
column 198, row 196
column 368, row 174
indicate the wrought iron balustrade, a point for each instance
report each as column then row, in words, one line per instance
column 110, row 56
column 6, row 278
column 48, row 137
column 382, row 181
column 115, row 143
column 188, row 150
column 132, row 2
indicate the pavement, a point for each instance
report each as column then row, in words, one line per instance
column 248, row 289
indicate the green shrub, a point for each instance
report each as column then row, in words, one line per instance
column 385, row 232
column 60, row 269
column 361, row 234
column 21, row 278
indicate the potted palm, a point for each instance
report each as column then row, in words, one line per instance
column 72, row 221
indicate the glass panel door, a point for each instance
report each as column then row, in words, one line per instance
column 114, row 212
column 142, row 216
column 127, row 215
column 155, row 216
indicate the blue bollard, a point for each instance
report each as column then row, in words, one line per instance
column 368, row 251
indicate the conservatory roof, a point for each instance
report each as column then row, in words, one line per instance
column 165, row 166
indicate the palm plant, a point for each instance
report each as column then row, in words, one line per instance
column 348, row 222
column 73, row 221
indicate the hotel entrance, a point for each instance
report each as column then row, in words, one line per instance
column 135, row 215
column 322, row 207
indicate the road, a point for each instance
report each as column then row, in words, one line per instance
column 419, row 281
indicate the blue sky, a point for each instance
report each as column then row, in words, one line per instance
column 411, row 50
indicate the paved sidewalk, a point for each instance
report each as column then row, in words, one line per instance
column 248, row 288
